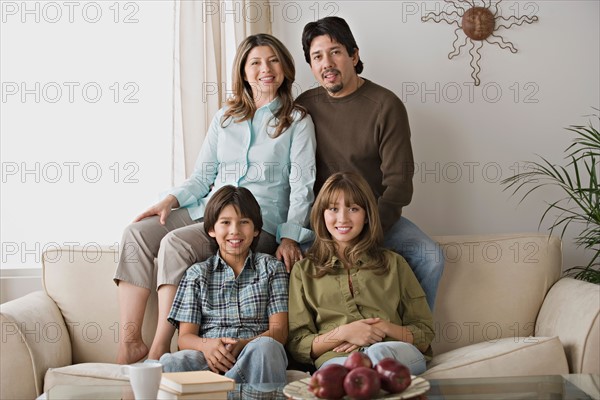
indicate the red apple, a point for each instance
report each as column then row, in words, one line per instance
column 362, row 383
column 358, row 359
column 328, row 382
column 395, row 376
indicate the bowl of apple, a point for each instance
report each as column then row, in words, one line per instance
column 359, row 379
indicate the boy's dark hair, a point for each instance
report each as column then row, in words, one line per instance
column 337, row 29
column 244, row 202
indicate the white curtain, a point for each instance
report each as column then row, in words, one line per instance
column 200, row 60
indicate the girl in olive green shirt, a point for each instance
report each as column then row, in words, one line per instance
column 350, row 294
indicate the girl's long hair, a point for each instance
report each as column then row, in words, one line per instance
column 241, row 104
column 369, row 243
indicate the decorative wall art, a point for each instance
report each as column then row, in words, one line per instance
column 479, row 24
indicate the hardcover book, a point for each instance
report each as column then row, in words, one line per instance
column 196, row 382
column 166, row 394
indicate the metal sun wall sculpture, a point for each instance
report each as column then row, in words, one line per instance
column 479, row 24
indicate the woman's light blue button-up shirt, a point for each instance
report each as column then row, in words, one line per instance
column 280, row 172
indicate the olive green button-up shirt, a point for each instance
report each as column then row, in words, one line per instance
column 318, row 305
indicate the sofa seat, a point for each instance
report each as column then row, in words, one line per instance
column 517, row 356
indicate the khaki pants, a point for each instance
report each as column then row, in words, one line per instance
column 177, row 245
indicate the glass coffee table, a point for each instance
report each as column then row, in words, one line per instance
column 576, row 386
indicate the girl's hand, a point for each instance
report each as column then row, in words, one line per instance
column 363, row 332
column 346, row 348
column 288, row 252
column 162, row 209
column 217, row 353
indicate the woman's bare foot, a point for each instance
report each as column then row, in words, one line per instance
column 157, row 351
column 131, row 352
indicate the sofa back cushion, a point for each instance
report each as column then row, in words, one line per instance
column 79, row 280
column 492, row 287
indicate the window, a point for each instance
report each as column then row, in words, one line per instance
column 86, row 121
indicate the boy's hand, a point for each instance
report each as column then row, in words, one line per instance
column 218, row 356
column 236, row 349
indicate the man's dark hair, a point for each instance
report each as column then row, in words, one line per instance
column 337, row 29
column 244, row 202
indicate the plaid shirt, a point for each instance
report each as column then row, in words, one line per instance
column 211, row 296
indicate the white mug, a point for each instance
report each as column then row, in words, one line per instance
column 144, row 379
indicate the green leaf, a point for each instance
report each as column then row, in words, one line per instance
column 579, row 180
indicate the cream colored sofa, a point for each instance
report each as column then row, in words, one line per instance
column 502, row 310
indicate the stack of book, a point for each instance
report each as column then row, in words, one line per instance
column 194, row 385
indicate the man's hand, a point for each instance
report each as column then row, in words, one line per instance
column 162, row 209
column 289, row 252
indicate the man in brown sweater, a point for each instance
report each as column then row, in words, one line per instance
column 363, row 127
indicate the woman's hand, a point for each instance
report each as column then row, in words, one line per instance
column 289, row 252
column 162, row 209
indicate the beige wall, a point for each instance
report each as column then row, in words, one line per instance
column 467, row 138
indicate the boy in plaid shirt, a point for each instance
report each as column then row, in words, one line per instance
column 232, row 309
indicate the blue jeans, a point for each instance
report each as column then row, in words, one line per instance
column 424, row 256
column 263, row 360
column 406, row 353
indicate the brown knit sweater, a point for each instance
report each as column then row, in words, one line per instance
column 366, row 132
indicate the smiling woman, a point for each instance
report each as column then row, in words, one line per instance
column 243, row 132
column 82, row 129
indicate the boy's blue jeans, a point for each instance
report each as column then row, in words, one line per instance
column 263, row 360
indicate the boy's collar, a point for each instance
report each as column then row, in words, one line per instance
column 221, row 263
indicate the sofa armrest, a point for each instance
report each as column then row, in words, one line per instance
column 571, row 311
column 34, row 338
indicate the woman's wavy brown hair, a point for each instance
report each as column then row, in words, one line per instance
column 241, row 104
column 356, row 190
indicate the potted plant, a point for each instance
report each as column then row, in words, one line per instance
column 578, row 181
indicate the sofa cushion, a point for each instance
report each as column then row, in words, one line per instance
column 34, row 338
column 79, row 280
column 571, row 311
column 505, row 357
column 492, row 287
column 86, row 374
column 108, row 374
